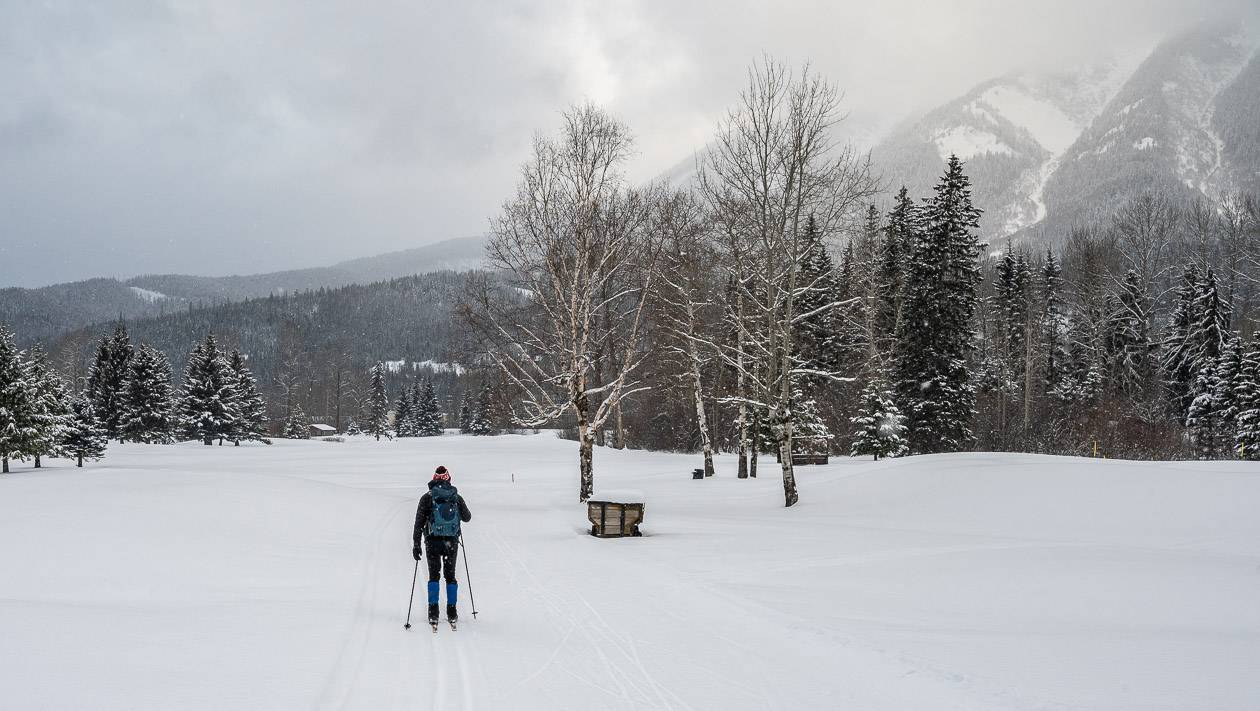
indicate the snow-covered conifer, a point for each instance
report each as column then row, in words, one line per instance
column 107, row 379
column 1246, row 442
column 49, row 406
column 1213, row 411
column 1129, row 328
column 879, row 427
column 817, row 329
column 378, row 404
column 1050, row 287
column 148, row 405
column 810, row 433
column 207, row 407
column 251, row 425
column 1177, row 359
column 1210, row 329
column 481, row 420
column 901, row 231
column 17, row 426
column 83, row 438
column 297, row 426
column 465, row 415
column 427, row 415
column 936, row 338
column 404, row 424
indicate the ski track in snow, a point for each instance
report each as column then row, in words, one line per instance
column 337, row 693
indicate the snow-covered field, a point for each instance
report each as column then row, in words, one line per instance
column 190, row 577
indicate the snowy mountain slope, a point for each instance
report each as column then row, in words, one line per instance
column 1161, row 131
column 1011, row 131
column 1045, row 151
column 277, row 577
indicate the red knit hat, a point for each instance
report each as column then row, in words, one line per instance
column 440, row 474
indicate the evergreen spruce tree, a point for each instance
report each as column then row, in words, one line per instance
column 810, row 433
column 1213, row 413
column 936, row 338
column 428, row 416
column 1228, row 376
column 1178, row 352
column 207, row 407
column 297, row 426
column 1013, row 286
column 148, row 405
column 1052, row 320
column 107, row 379
column 901, row 232
column 378, row 404
column 817, row 328
column 1131, row 345
column 879, row 427
column 481, row 421
column 1246, row 443
column 17, row 425
column 251, row 425
column 1210, row 329
column 417, row 407
column 404, row 425
column 83, row 438
column 1202, row 419
column 465, row 415
column 50, row 407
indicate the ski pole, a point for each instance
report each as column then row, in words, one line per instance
column 412, row 599
column 468, row 575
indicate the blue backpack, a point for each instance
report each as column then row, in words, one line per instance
column 445, row 519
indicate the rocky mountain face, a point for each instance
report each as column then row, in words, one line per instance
column 1046, row 150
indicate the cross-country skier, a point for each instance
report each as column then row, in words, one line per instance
column 438, row 517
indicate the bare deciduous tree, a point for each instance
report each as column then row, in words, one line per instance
column 685, row 303
column 775, row 164
column 576, row 246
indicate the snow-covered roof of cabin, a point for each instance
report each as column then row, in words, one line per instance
column 324, row 428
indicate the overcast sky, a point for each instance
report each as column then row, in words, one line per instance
column 235, row 137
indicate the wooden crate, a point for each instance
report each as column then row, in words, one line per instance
column 614, row 519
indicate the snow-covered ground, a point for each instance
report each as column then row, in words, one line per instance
column 190, row 577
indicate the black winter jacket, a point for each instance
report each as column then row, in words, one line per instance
column 425, row 511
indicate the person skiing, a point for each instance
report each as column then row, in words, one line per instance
column 438, row 517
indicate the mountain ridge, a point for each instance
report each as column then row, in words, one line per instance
column 1080, row 143
column 40, row 314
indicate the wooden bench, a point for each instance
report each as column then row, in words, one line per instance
column 802, row 459
column 613, row 519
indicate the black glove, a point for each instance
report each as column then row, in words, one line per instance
column 415, row 552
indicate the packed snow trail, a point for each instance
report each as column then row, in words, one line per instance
column 277, row 577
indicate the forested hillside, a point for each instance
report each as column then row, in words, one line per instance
column 310, row 343
column 42, row 314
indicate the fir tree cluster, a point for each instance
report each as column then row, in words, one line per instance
column 898, row 316
column 130, row 390
column 39, row 415
column 476, row 416
column 219, row 400
column 417, row 413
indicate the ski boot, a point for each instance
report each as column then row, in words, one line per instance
column 433, row 616
column 452, row 616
